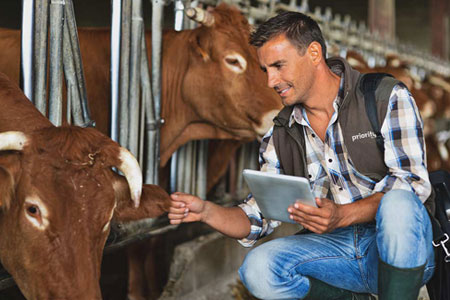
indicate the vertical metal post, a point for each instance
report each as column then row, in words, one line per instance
column 157, row 21
column 179, row 15
column 40, row 55
column 27, row 48
column 116, row 7
column 71, row 34
column 71, row 81
column 124, row 71
column 134, row 87
column 202, row 169
column 56, row 26
column 151, row 125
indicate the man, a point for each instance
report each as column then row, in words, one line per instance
column 370, row 232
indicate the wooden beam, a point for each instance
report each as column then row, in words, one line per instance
column 440, row 31
column 381, row 16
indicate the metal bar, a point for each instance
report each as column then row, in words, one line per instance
column 80, row 83
column 40, row 55
column 56, row 26
column 151, row 126
column 173, row 172
column 179, row 15
column 70, row 92
column 124, row 71
column 116, row 7
column 71, row 80
column 202, row 168
column 157, row 22
column 193, row 175
column 180, row 168
column 26, row 56
column 134, row 86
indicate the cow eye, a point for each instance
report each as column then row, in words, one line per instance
column 235, row 62
column 232, row 61
column 32, row 210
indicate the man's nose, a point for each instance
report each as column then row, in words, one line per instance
column 272, row 79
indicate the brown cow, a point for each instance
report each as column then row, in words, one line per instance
column 212, row 86
column 58, row 196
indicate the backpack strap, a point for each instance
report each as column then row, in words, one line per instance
column 368, row 85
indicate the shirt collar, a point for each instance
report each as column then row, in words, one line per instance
column 297, row 112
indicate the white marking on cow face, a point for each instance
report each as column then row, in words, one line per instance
column 36, row 212
column 266, row 123
column 235, row 62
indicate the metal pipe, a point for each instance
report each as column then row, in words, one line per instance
column 151, row 125
column 71, row 80
column 56, row 26
column 180, row 168
column 193, row 163
column 80, row 82
column 124, row 71
column 134, row 87
column 40, row 55
column 157, row 21
column 202, row 169
column 173, row 172
column 179, row 15
column 116, row 7
column 188, row 174
column 26, row 56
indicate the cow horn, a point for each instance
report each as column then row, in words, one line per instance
column 130, row 168
column 12, row 140
column 201, row 16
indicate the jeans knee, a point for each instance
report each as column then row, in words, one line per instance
column 399, row 208
column 256, row 274
column 402, row 225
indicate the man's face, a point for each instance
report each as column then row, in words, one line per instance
column 288, row 72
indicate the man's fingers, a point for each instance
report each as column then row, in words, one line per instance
column 176, row 210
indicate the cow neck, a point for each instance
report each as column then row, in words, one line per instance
column 17, row 112
column 175, row 112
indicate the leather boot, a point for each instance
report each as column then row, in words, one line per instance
column 319, row 290
column 398, row 283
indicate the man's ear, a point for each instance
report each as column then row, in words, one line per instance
column 6, row 188
column 314, row 51
column 154, row 202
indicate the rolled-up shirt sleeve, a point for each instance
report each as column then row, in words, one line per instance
column 404, row 145
column 261, row 227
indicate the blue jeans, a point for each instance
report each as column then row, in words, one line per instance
column 347, row 257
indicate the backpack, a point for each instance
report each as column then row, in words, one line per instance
column 439, row 285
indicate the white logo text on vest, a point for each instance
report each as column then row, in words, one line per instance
column 360, row 136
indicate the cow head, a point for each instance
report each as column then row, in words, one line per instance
column 223, row 92
column 58, row 195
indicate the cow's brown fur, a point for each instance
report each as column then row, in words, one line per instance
column 67, row 172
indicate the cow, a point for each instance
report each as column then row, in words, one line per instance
column 213, row 89
column 58, row 195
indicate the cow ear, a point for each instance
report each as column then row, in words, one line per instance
column 154, row 202
column 6, row 188
column 200, row 44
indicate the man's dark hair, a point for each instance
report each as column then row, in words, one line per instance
column 299, row 29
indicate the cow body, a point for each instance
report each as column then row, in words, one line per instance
column 212, row 86
column 58, row 195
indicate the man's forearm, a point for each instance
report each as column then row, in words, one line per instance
column 231, row 221
column 360, row 211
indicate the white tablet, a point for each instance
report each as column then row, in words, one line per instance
column 274, row 193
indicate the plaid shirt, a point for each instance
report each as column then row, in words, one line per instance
column 331, row 172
